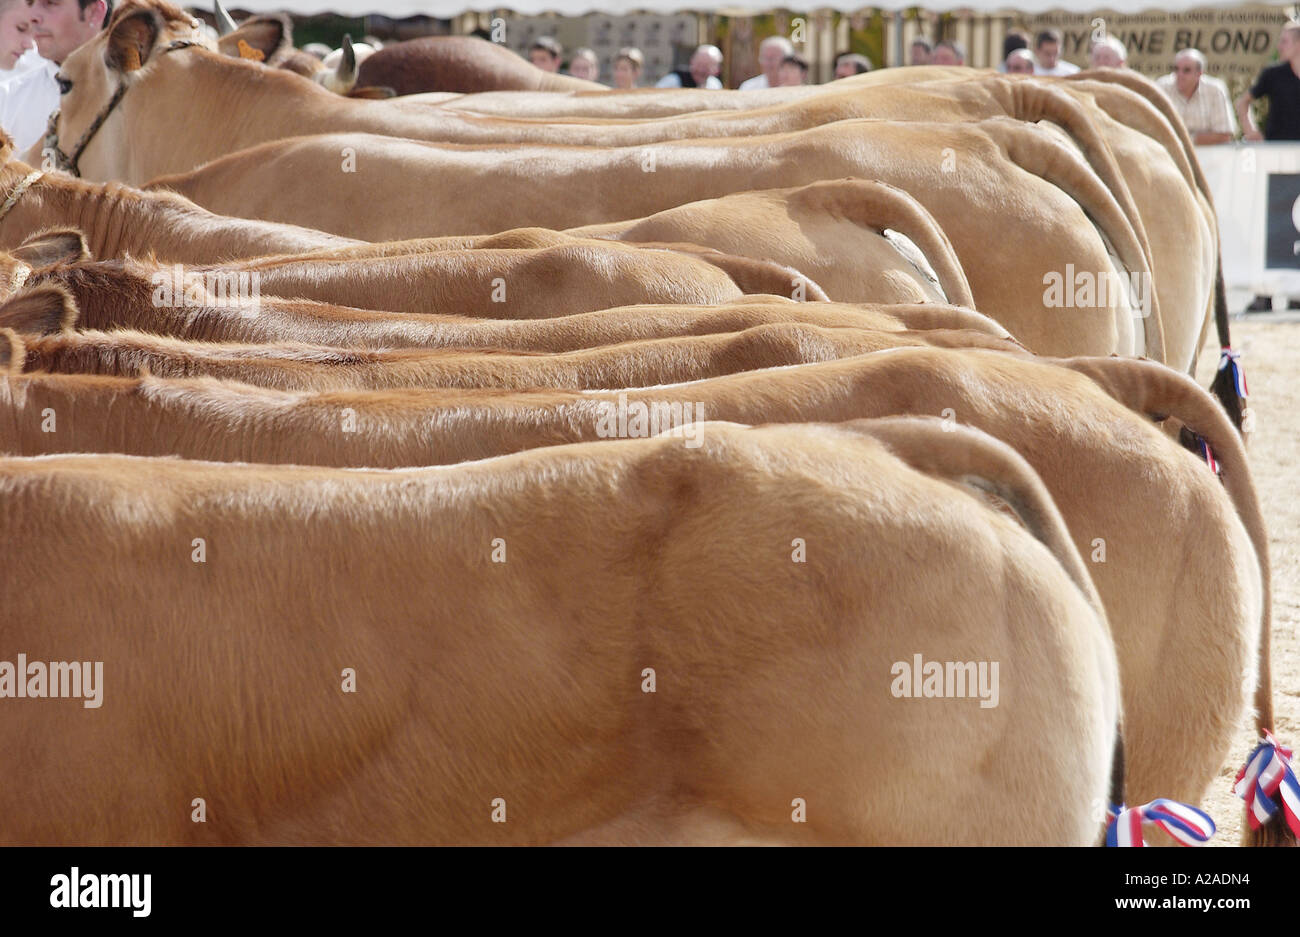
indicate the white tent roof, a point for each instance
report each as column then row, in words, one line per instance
column 446, row 9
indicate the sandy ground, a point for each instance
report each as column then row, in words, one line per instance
column 1271, row 358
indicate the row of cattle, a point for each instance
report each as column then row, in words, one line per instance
column 593, row 467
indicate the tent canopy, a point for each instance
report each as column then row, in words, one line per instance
column 445, row 9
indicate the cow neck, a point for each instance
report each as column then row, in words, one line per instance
column 98, row 210
column 116, row 219
column 28, row 212
column 230, row 106
column 255, row 105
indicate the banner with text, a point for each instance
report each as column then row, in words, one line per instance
column 1236, row 41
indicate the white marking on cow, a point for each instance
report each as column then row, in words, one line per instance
column 908, row 250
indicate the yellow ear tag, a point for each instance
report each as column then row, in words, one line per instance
column 248, row 52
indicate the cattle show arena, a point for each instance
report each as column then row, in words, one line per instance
column 420, row 443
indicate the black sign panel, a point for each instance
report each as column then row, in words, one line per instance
column 1282, row 237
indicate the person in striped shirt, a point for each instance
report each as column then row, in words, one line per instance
column 1200, row 100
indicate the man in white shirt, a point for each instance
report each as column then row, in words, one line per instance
column 1200, row 100
column 1047, row 50
column 948, row 52
column 850, row 64
column 546, row 53
column 1108, row 53
column 26, row 102
column 706, row 65
column 1020, row 62
column 1013, row 41
column 585, row 65
column 58, row 27
column 772, row 51
column 29, row 60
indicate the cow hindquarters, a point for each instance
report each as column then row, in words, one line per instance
column 1218, row 550
column 970, row 592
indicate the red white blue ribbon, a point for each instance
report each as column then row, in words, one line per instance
column 1229, row 359
column 1206, row 453
column 1186, row 824
column 1266, row 778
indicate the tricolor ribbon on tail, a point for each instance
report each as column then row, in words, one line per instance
column 1266, row 778
column 1205, row 452
column 1229, row 359
column 1229, row 382
column 1183, row 822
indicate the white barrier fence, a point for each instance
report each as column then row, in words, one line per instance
column 1256, row 189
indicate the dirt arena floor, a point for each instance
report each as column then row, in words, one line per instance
column 1271, row 358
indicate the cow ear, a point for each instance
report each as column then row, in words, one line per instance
column 260, row 39
column 13, row 353
column 131, row 39
column 41, row 310
column 53, row 246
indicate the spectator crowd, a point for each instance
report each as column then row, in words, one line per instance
column 780, row 65
column 1202, row 100
column 36, row 35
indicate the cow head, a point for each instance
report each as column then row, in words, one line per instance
column 269, row 39
column 96, row 76
column 339, row 73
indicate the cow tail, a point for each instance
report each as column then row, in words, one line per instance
column 1160, row 392
column 976, row 460
column 1229, row 384
column 881, row 206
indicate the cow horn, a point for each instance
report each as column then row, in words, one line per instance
column 225, row 25
column 346, row 73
